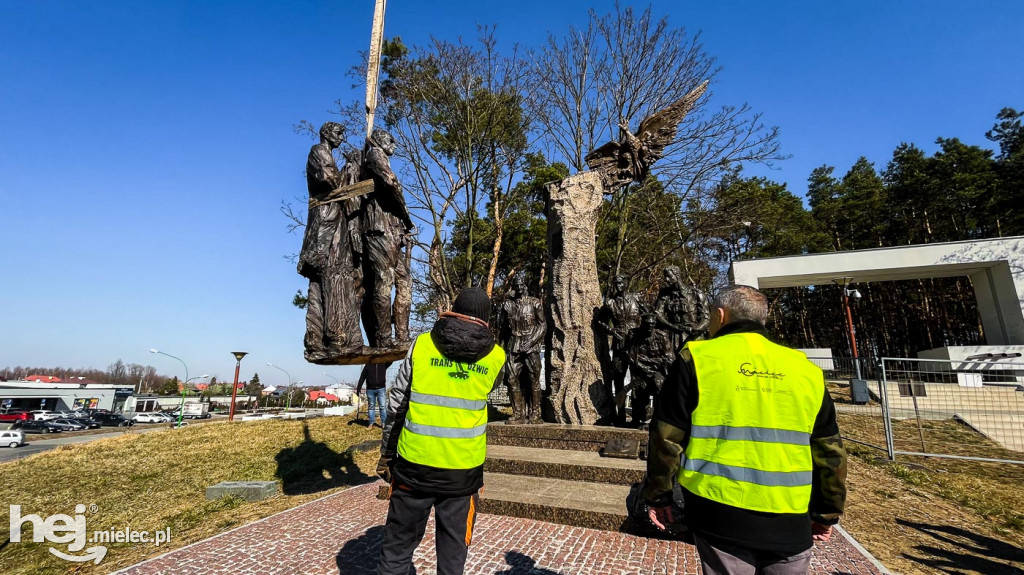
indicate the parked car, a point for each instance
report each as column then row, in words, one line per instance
column 68, row 424
column 12, row 438
column 43, row 414
column 88, row 422
column 166, row 417
column 15, row 415
column 36, row 426
column 113, row 420
column 148, row 418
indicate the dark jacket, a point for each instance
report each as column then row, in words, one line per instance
column 374, row 375
column 785, row 533
column 458, row 340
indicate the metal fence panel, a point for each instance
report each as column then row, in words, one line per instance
column 863, row 423
column 960, row 409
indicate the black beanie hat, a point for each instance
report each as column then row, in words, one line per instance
column 473, row 302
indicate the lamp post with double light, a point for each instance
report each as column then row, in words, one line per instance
column 287, row 374
column 184, row 387
column 234, row 390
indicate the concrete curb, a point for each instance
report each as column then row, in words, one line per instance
column 856, row 545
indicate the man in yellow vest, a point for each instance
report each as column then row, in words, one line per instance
column 434, row 442
column 749, row 431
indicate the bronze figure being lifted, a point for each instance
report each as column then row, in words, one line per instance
column 354, row 252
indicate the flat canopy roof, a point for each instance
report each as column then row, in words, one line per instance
column 882, row 264
column 995, row 266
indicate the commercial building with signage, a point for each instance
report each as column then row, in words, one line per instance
column 30, row 395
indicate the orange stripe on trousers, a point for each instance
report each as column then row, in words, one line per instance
column 469, row 520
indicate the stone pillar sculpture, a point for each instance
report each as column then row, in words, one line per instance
column 577, row 392
column 576, row 386
column 521, row 333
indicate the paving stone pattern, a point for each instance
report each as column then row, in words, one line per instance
column 341, row 534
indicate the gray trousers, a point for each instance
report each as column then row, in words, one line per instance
column 720, row 559
column 408, row 512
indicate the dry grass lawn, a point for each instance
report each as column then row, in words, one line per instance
column 156, row 480
column 934, row 515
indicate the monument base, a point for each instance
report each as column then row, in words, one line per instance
column 564, row 474
column 359, row 356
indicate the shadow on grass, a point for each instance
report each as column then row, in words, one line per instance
column 522, row 564
column 973, row 552
column 312, row 467
column 360, row 555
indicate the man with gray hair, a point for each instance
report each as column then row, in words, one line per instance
column 749, row 430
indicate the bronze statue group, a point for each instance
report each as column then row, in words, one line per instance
column 355, row 250
column 634, row 338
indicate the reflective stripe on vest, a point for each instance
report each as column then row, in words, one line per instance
column 750, row 440
column 446, row 424
column 444, row 401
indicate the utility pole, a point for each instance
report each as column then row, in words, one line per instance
column 373, row 67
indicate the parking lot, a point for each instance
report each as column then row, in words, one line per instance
column 64, row 428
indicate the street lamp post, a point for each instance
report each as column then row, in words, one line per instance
column 184, row 390
column 289, row 381
column 184, row 387
column 234, row 390
column 847, row 292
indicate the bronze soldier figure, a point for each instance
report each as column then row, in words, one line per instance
column 385, row 225
column 620, row 313
column 650, row 354
column 521, row 328
column 326, row 258
column 680, row 309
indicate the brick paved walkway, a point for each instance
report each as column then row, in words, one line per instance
column 341, row 534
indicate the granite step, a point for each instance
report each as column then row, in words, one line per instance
column 578, row 503
column 560, row 436
column 563, row 464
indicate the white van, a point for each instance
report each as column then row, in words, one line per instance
column 12, row 438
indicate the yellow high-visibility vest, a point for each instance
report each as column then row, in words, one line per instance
column 446, row 425
column 749, row 446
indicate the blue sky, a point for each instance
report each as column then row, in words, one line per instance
column 145, row 146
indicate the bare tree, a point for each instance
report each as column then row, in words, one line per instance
column 597, row 82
